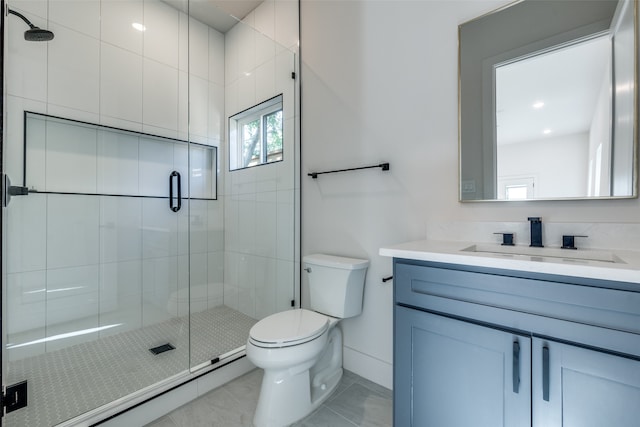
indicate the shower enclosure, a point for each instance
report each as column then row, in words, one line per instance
column 132, row 256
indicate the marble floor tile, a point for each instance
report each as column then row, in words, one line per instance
column 363, row 406
column 355, row 402
column 324, row 417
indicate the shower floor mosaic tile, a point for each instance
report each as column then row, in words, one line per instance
column 68, row 382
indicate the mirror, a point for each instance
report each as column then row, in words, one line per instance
column 548, row 111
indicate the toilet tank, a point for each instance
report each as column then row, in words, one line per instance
column 336, row 284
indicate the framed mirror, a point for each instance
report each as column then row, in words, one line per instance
column 548, row 101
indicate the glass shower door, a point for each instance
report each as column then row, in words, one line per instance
column 96, row 258
column 96, row 253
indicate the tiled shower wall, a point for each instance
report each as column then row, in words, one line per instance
column 77, row 262
column 260, row 264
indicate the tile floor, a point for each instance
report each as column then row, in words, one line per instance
column 355, row 402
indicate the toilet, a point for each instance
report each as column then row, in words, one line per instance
column 300, row 350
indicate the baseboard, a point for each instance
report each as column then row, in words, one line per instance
column 376, row 370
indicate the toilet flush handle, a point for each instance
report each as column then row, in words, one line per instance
column 308, row 269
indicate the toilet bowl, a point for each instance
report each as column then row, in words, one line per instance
column 301, row 350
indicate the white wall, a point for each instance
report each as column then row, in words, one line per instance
column 379, row 83
column 559, row 164
column 77, row 262
column 260, row 257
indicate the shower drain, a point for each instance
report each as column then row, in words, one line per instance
column 161, row 348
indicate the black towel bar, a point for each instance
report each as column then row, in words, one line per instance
column 384, row 166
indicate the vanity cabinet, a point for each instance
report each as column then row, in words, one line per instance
column 454, row 373
column 488, row 347
column 574, row 386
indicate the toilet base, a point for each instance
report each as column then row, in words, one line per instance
column 287, row 396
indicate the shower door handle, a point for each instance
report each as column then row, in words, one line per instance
column 176, row 204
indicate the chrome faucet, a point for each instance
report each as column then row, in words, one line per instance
column 536, row 231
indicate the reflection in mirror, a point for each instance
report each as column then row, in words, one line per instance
column 548, row 112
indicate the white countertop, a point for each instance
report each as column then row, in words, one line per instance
column 626, row 269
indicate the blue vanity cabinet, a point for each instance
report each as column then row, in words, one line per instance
column 583, row 387
column 485, row 347
column 453, row 373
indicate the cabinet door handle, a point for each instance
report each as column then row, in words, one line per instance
column 175, row 207
column 516, row 367
column 545, row 373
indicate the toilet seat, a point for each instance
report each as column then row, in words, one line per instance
column 288, row 328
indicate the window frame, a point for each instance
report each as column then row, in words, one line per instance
column 236, row 125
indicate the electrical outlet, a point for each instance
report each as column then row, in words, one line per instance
column 469, row 186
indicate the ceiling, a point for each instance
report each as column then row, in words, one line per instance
column 219, row 14
column 568, row 81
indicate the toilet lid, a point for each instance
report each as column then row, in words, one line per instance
column 288, row 328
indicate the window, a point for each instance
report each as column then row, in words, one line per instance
column 516, row 187
column 255, row 135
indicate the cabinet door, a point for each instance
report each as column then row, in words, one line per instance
column 452, row 373
column 577, row 387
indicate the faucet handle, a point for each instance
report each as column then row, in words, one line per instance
column 507, row 239
column 569, row 242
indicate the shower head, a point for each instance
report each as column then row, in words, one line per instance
column 33, row 34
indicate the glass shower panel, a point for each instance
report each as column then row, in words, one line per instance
column 245, row 268
column 96, row 254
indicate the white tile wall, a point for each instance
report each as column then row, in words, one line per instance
column 26, row 234
column 33, row 7
column 120, row 229
column 159, row 289
column 72, row 231
column 120, row 296
column 27, row 77
column 199, row 226
column 124, row 260
column 26, row 304
column 79, row 15
column 159, row 229
column 118, row 163
column 215, row 276
column 259, row 205
column 161, row 38
column 36, row 155
column 73, row 70
column 160, row 97
column 198, row 49
column 199, row 281
column 286, row 23
column 14, row 144
column 266, row 285
column 71, row 158
column 216, row 114
column 120, row 83
column 155, row 166
column 25, row 301
column 116, row 17
column 216, row 57
column 198, row 103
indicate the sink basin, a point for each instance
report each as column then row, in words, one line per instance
column 564, row 254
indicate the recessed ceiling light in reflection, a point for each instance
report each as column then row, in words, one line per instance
column 546, row 131
column 138, row 26
column 537, row 105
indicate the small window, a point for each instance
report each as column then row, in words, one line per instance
column 516, row 187
column 255, row 135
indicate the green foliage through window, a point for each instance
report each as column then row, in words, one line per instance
column 256, row 135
